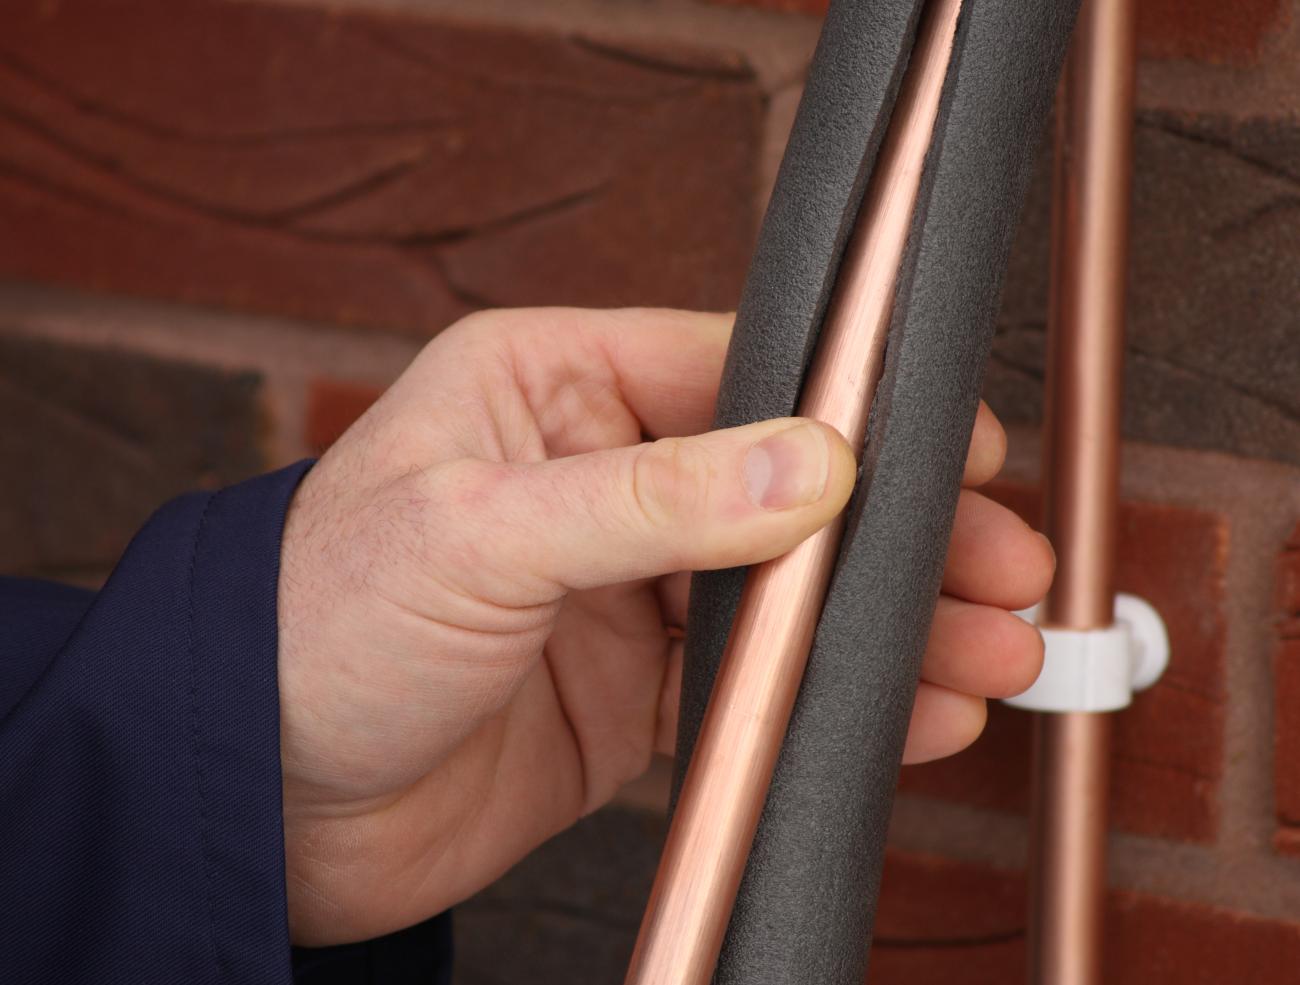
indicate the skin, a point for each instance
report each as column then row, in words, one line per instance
column 483, row 584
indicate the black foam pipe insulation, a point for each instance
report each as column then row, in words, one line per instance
column 806, row 905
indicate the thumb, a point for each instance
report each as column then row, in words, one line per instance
column 713, row 501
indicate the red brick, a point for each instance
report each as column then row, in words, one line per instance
column 1168, row 746
column 1287, row 596
column 380, row 169
column 1286, row 757
column 1206, row 30
column 332, row 406
column 925, row 897
column 1149, row 939
column 942, row 921
column 1286, row 699
column 1286, row 840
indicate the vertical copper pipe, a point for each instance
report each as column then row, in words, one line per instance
column 749, row 710
column 1084, row 379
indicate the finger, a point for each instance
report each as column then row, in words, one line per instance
column 713, row 501
column 1002, row 656
column 662, row 364
column 981, row 650
column 674, row 598
column 943, row 722
column 669, row 698
column 671, row 393
column 988, row 448
column 994, row 557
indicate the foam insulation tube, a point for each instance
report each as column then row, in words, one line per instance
column 804, row 907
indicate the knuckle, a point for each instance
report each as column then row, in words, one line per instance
column 471, row 524
column 467, row 338
column 469, row 487
column 670, row 481
column 476, row 324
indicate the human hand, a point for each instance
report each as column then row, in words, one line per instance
column 483, row 583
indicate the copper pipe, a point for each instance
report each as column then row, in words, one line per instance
column 749, row 710
column 1068, row 888
column 1082, row 428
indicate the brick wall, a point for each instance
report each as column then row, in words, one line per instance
column 229, row 224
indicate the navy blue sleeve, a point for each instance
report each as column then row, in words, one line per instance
column 141, row 836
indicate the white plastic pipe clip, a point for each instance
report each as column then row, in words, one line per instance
column 1099, row 669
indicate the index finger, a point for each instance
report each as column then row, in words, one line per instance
column 661, row 365
column 668, row 364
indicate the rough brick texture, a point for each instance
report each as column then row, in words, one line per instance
column 368, row 169
column 942, row 922
column 1168, row 745
column 1287, row 750
column 1286, row 668
column 1287, row 591
column 1209, row 30
column 1212, row 360
column 95, row 440
column 332, row 406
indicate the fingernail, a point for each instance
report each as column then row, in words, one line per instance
column 788, row 468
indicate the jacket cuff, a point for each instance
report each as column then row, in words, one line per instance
column 234, row 575
column 233, row 600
